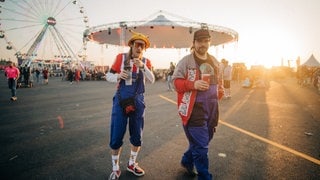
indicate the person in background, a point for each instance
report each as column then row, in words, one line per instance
column 169, row 76
column 38, row 75
column 31, row 79
column 198, row 98
column 45, row 74
column 83, row 74
column 70, row 75
column 129, row 71
column 77, row 75
column 227, row 77
column 12, row 73
column 20, row 79
column 63, row 73
column 26, row 75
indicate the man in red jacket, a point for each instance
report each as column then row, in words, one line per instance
column 198, row 84
column 12, row 73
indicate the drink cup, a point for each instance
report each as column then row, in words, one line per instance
column 206, row 77
column 129, row 78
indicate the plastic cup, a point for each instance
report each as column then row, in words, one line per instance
column 206, row 77
column 128, row 81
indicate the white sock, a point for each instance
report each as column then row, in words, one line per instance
column 133, row 157
column 115, row 162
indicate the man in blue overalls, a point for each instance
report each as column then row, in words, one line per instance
column 199, row 87
column 129, row 70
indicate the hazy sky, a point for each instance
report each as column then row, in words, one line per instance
column 269, row 30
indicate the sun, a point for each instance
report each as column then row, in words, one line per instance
column 274, row 47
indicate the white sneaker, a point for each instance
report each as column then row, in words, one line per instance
column 115, row 175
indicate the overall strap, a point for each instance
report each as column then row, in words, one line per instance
column 127, row 63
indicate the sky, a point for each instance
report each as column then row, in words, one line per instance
column 270, row 31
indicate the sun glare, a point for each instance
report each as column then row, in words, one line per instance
column 275, row 47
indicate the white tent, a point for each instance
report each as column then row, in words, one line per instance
column 163, row 33
column 311, row 62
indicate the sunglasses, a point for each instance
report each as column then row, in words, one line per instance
column 139, row 44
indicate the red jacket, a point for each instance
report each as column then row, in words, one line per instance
column 186, row 95
column 184, row 77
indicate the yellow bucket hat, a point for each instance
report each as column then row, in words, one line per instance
column 139, row 36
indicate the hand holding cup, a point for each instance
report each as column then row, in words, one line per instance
column 137, row 62
column 206, row 77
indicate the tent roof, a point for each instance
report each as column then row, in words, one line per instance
column 312, row 61
column 162, row 31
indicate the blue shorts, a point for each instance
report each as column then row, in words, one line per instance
column 119, row 122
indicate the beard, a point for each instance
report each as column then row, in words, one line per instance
column 201, row 50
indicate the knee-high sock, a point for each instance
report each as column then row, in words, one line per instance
column 115, row 162
column 133, row 157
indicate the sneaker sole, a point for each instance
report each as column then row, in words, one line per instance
column 135, row 172
column 118, row 176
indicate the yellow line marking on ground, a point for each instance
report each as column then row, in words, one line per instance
column 297, row 153
column 167, row 99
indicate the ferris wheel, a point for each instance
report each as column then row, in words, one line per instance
column 43, row 30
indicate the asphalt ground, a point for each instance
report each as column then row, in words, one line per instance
column 61, row 131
